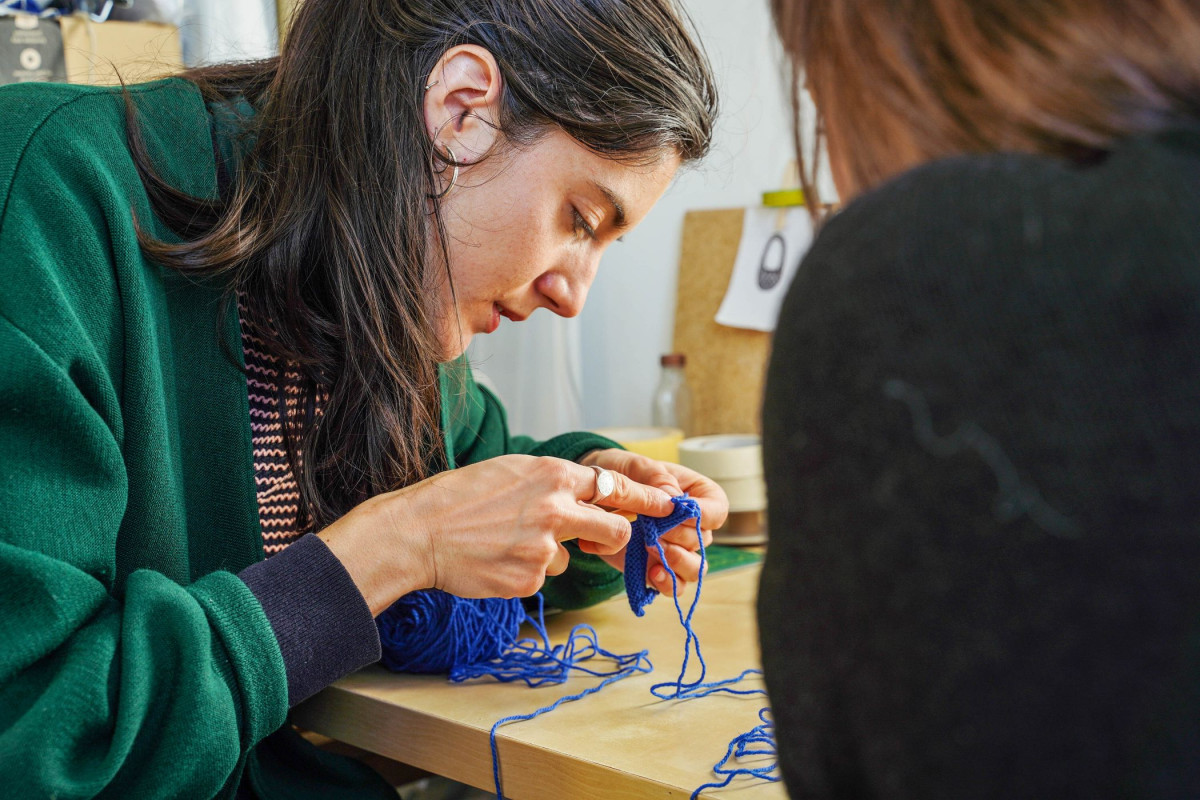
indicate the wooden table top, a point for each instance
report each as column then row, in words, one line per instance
column 620, row 743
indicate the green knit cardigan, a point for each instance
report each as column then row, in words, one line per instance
column 133, row 661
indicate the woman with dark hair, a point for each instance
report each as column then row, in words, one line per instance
column 233, row 308
column 982, row 416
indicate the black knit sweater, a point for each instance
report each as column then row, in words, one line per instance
column 982, row 447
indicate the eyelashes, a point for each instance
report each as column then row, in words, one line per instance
column 581, row 225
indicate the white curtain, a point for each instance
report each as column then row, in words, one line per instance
column 535, row 369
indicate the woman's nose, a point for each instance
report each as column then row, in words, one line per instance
column 565, row 292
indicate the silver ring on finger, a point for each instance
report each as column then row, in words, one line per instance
column 605, row 484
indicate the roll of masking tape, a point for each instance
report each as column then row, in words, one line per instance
column 732, row 460
column 657, row 443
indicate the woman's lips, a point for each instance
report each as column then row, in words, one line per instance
column 499, row 311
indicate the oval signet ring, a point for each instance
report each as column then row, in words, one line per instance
column 605, row 483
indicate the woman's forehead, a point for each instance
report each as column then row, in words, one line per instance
column 577, row 167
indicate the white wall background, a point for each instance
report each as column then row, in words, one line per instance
column 547, row 385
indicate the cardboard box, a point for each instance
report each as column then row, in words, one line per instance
column 77, row 50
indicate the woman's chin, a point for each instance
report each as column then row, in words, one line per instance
column 450, row 353
column 455, row 345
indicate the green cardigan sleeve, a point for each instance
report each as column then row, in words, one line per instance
column 129, row 666
column 477, row 429
column 156, row 692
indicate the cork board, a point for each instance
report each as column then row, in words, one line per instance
column 283, row 15
column 725, row 366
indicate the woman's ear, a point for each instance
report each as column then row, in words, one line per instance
column 462, row 102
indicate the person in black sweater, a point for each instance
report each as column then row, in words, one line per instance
column 982, row 416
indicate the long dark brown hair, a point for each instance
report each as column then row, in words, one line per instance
column 900, row 82
column 326, row 231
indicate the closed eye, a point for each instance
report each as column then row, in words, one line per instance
column 581, row 225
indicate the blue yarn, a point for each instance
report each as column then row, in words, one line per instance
column 552, row 665
column 432, row 632
column 758, row 741
column 647, row 532
column 435, row 632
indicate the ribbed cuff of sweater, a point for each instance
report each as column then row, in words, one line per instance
column 573, row 446
column 588, row 580
column 324, row 626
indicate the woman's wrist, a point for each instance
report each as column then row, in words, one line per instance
column 382, row 566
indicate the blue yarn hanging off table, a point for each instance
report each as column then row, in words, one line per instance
column 435, row 632
column 758, row 741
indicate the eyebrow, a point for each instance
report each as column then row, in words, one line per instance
column 618, row 222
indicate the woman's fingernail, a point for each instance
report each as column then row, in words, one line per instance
column 658, row 574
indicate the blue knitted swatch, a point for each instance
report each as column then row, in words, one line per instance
column 646, row 531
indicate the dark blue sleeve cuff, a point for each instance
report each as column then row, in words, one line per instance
column 323, row 624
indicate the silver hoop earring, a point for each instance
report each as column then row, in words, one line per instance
column 429, row 86
column 453, row 175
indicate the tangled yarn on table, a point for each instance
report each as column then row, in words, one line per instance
column 760, row 740
column 433, row 632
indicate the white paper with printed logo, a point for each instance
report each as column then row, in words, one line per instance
column 773, row 243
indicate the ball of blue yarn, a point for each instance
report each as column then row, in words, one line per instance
column 434, row 632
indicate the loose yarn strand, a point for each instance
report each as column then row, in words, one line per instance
column 640, row 665
column 758, row 741
column 435, row 632
column 647, row 532
column 538, row 663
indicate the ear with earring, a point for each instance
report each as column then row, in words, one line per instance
column 450, row 159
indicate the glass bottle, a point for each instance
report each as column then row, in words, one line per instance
column 672, row 406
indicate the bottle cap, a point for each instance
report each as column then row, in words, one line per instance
column 783, row 198
column 673, row 360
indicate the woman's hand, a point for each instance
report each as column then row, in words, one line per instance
column 492, row 529
column 680, row 545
